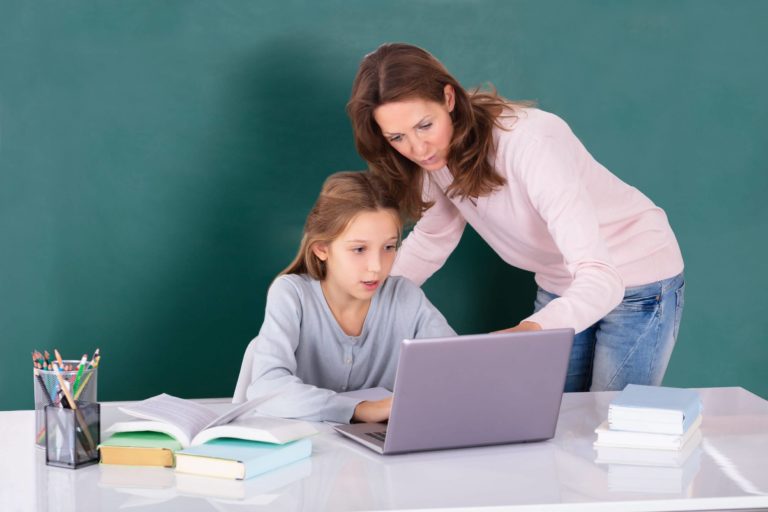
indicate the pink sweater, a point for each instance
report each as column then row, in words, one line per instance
column 584, row 233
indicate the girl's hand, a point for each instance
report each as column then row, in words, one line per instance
column 373, row 411
column 522, row 326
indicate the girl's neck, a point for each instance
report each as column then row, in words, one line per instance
column 349, row 312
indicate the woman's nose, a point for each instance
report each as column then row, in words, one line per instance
column 419, row 147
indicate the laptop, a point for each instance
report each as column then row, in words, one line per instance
column 474, row 390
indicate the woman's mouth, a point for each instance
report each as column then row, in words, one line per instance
column 370, row 285
column 429, row 161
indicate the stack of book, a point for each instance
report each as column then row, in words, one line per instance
column 650, row 439
column 173, row 432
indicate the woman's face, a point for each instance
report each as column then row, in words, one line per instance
column 419, row 129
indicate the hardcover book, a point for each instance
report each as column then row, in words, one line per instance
column 239, row 459
column 656, row 409
column 627, row 439
column 646, row 457
column 139, row 449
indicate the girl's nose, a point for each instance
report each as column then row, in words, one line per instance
column 374, row 263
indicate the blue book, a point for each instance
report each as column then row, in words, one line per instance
column 654, row 409
column 238, row 458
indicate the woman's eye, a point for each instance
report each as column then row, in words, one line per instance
column 396, row 138
column 425, row 126
column 390, row 247
column 358, row 250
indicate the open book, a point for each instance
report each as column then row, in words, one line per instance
column 193, row 424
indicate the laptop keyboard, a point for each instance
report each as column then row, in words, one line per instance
column 379, row 436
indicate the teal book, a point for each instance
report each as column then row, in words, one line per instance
column 239, row 459
column 654, row 409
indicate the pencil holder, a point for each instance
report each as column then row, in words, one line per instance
column 48, row 392
column 72, row 435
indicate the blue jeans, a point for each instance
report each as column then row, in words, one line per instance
column 631, row 344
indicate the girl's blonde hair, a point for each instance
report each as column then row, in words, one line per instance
column 396, row 72
column 344, row 195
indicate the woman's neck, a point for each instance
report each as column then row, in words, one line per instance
column 348, row 311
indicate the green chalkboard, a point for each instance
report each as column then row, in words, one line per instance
column 157, row 160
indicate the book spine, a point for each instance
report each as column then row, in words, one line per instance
column 691, row 413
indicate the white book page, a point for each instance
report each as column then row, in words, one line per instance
column 239, row 410
column 184, row 418
column 189, row 417
column 267, row 429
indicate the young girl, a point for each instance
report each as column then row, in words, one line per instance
column 334, row 318
column 604, row 256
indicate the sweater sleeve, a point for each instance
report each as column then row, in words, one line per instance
column 547, row 170
column 432, row 240
column 273, row 365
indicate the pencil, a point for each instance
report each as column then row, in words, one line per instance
column 93, row 365
column 58, row 358
column 73, row 405
column 80, row 368
column 39, row 379
column 64, row 388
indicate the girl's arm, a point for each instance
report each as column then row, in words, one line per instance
column 423, row 320
column 546, row 168
column 432, row 240
column 273, row 364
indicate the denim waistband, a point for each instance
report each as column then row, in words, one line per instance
column 663, row 286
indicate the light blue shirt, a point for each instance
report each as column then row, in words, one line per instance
column 303, row 354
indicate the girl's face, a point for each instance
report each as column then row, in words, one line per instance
column 419, row 129
column 360, row 258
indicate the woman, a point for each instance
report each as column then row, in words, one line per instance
column 604, row 256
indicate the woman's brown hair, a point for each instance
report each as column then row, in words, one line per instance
column 344, row 195
column 397, row 71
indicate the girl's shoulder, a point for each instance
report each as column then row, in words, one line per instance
column 401, row 291
column 292, row 285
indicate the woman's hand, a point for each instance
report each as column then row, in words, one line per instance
column 373, row 411
column 522, row 326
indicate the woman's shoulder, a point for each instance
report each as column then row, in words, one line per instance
column 529, row 122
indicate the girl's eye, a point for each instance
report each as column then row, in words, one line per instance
column 425, row 126
column 358, row 250
column 396, row 138
column 390, row 247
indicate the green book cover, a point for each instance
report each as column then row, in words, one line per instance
column 144, row 439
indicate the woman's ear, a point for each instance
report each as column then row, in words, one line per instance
column 450, row 97
column 320, row 250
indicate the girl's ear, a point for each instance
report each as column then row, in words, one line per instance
column 320, row 250
column 450, row 97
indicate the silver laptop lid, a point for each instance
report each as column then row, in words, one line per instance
column 478, row 390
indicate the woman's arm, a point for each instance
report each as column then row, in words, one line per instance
column 273, row 364
column 546, row 168
column 432, row 240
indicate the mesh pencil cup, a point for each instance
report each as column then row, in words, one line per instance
column 72, row 435
column 48, row 392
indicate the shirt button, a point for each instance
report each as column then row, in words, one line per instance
column 343, row 388
column 348, row 360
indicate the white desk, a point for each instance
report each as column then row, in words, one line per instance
column 729, row 470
